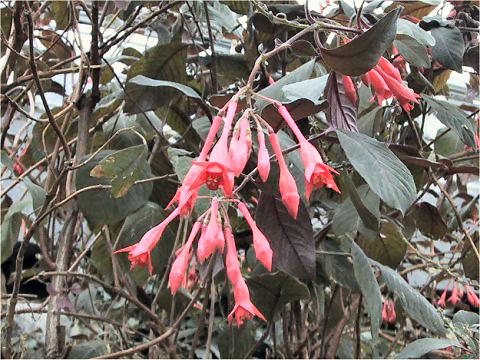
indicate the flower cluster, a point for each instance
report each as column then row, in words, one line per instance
column 457, row 294
column 216, row 167
column 386, row 82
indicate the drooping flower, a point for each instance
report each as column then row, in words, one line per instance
column 454, row 298
column 139, row 253
column 317, row 174
column 263, row 251
column 239, row 151
column 243, row 309
column 231, row 261
column 202, row 244
column 212, row 229
column 350, row 88
column 442, row 301
column 263, row 157
column 179, row 267
column 472, row 297
column 388, row 68
column 404, row 95
column 380, row 88
column 286, row 182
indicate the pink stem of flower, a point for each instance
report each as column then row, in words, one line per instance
column 291, row 123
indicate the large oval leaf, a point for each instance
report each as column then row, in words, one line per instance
column 368, row 285
column 386, row 175
column 99, row 206
column 146, row 81
column 273, row 290
column 362, row 53
column 449, row 47
column 454, row 118
column 423, row 346
column 291, row 239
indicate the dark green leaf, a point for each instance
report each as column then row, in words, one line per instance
column 239, row 6
column 273, row 290
column 146, row 81
column 346, row 216
column 311, row 89
column 61, row 13
column 386, row 175
column 429, row 220
column 162, row 62
column 449, row 47
column 235, row 342
column 291, row 239
column 337, row 267
column 470, row 264
column 275, row 91
column 453, row 118
column 369, row 218
column 412, row 51
column 37, row 192
column 423, row 346
column 388, row 248
column 98, row 206
column 413, row 303
column 341, row 112
column 362, row 53
column 405, row 27
column 303, row 48
column 10, row 228
column 466, row 317
column 123, row 168
column 88, row 349
column 368, row 285
column 448, row 144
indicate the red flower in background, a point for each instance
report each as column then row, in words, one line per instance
column 263, row 157
column 388, row 312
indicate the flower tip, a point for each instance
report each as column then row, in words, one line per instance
column 291, row 202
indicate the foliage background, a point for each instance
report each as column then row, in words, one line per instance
column 75, row 89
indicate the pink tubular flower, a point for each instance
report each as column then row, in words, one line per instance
column 404, row 95
column 231, row 262
column 454, row 298
column 442, row 301
column 472, row 297
column 380, row 88
column 263, row 157
column 317, row 174
column 263, row 251
column 350, row 89
column 216, row 172
column 179, row 266
column 244, row 309
column 212, row 229
column 365, row 79
column 388, row 68
column 239, row 151
column 202, row 245
column 288, row 187
column 139, row 253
